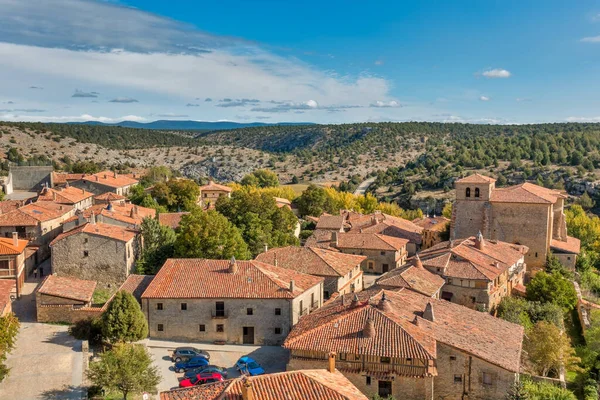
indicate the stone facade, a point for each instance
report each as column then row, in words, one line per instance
column 379, row 261
column 86, row 256
column 199, row 320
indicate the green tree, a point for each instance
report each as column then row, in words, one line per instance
column 517, row 392
column 126, row 368
column 554, row 266
column 9, row 327
column 155, row 175
column 261, row 178
column 159, row 244
column 209, row 235
column 585, row 201
column 546, row 391
column 314, row 201
column 552, row 288
column 549, row 348
column 123, row 320
column 447, row 211
column 186, row 193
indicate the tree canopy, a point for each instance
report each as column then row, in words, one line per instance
column 123, row 320
column 9, row 327
column 159, row 244
column 261, row 178
column 549, row 348
column 552, row 288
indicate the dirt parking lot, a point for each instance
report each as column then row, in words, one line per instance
column 271, row 358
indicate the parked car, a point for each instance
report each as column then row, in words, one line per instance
column 185, row 353
column 204, row 370
column 247, row 366
column 201, row 379
column 192, row 363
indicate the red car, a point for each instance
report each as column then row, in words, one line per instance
column 201, row 379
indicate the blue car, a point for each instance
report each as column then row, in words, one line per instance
column 194, row 362
column 247, row 366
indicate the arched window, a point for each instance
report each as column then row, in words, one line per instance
column 468, row 192
column 476, row 192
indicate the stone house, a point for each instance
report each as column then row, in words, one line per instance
column 335, row 223
column 524, row 214
column 319, row 384
column 6, row 292
column 125, row 215
column 413, row 276
column 435, row 230
column 106, row 181
column 341, row 272
column 96, row 251
column 384, row 253
column 210, row 193
column 411, row 346
column 238, row 302
column 110, row 198
column 13, row 261
column 38, row 222
column 58, row 297
column 77, row 198
column 478, row 272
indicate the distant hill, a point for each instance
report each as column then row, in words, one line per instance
column 170, row 125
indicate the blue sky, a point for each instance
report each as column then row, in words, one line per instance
column 314, row 61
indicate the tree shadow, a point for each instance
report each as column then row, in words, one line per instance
column 66, row 392
column 64, row 339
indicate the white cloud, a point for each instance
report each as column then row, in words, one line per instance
column 384, row 104
column 583, row 119
column 77, row 118
column 591, row 39
column 496, row 73
column 484, row 98
column 379, row 62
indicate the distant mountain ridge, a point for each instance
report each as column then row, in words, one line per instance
column 189, row 125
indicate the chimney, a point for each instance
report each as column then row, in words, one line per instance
column 369, row 329
column 428, row 313
column 355, row 300
column 343, row 300
column 334, row 238
column 384, row 304
column 53, row 195
column 66, row 184
column 292, row 286
column 331, row 363
column 105, row 176
column 93, row 218
column 275, row 259
column 266, row 247
column 115, row 174
column 247, row 389
column 15, row 237
column 233, row 267
column 479, row 242
column 418, row 263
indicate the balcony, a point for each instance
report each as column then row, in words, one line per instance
column 303, row 311
column 314, row 305
column 219, row 314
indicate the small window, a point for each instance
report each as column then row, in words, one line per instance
column 326, row 294
column 487, row 379
column 452, row 358
column 457, row 378
column 202, row 328
column 342, row 356
column 220, row 328
column 159, row 306
column 473, row 299
column 278, row 311
column 409, row 360
column 249, row 311
column 86, row 253
column 85, row 240
column 160, row 327
column 385, row 360
column 476, row 192
column 468, row 192
column 383, row 253
column 368, row 381
column 183, row 306
column 278, row 331
column 535, row 255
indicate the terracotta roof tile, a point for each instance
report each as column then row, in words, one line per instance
column 194, row 278
column 331, row 222
column 311, row 260
column 59, row 178
column 136, row 285
column 291, row 385
column 571, row 245
column 7, row 246
column 171, row 219
column 390, row 226
column 432, row 223
column 6, row 288
column 69, row 288
column 127, row 213
column 10, row 205
column 112, row 179
column 109, row 196
column 114, row 232
column 526, row 193
column 68, row 195
column 370, row 241
column 476, row 178
column 413, row 277
column 34, row 213
column 212, row 186
column 334, row 327
column 320, row 238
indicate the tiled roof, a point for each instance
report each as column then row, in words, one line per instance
column 171, row 219
column 432, row 223
column 109, row 196
column 320, row 238
column 114, row 232
column 462, row 259
column 331, row 222
column 59, row 178
column 476, row 178
column 195, row 278
column 6, row 288
column 67, row 195
column 69, row 288
column 34, row 213
column 291, row 385
column 370, row 241
column 390, row 226
column 10, row 205
column 335, row 327
column 212, row 186
column 413, row 277
column 571, row 245
column 7, row 246
column 136, row 285
column 128, row 213
column 311, row 260
column 526, row 193
column 112, row 179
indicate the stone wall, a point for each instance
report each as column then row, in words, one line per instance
column 66, row 313
column 307, row 302
column 30, row 178
column 375, row 259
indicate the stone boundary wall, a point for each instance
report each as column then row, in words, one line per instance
column 67, row 313
column 30, row 178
